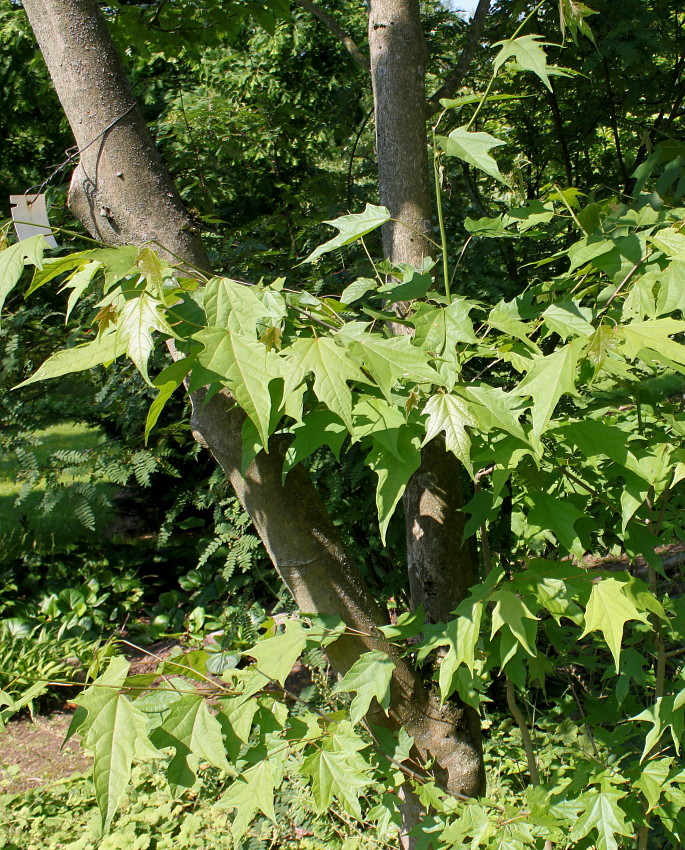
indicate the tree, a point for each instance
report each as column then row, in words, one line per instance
column 124, row 196
column 117, row 154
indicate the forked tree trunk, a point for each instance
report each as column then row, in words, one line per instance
column 123, row 194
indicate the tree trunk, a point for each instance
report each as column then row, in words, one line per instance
column 440, row 566
column 123, row 194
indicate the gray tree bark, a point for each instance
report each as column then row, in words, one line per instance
column 123, row 194
column 440, row 567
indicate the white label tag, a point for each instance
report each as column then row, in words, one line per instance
column 30, row 216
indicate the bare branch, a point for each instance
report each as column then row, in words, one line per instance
column 337, row 31
column 456, row 76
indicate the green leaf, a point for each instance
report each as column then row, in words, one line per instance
column 448, row 103
column 332, row 368
column 318, row 428
column 587, row 249
column 451, row 414
column 473, row 148
column 652, row 781
column 78, row 283
column 549, row 378
column 495, row 409
column 406, row 282
column 531, row 215
column 104, row 349
column 368, row 677
column 138, row 318
column 461, row 635
column 115, row 731
column 671, row 241
column 511, row 611
column 167, row 382
column 194, row 734
column 506, row 317
column 358, row 289
column 602, row 813
column 233, row 306
column 276, row 656
column 351, row 227
column 15, row 258
column 655, row 335
column 667, row 713
column 440, row 328
column 568, row 318
column 558, row 516
column 252, row 792
column 393, row 469
column 151, row 267
column 389, row 361
column 246, row 367
column 338, row 769
column 607, row 611
column 527, row 51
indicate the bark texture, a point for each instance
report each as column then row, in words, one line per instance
column 398, row 67
column 119, row 187
column 441, row 563
column 440, row 568
column 123, row 194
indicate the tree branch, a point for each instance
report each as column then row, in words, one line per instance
column 456, row 76
column 337, row 31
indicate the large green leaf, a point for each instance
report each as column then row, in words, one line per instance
column 332, row 368
column 194, row 734
column 139, row 317
column 549, row 378
column 451, row 414
column 667, row 713
column 569, row 318
column 252, row 792
column 318, row 428
column 368, row 677
column 461, row 636
column 558, row 516
column 167, row 382
column 394, row 469
column 527, row 51
column 655, row 335
column 512, row 613
column 233, row 306
column 78, row 283
column 275, row 656
column 602, row 813
column 247, row 367
column 440, row 328
column 494, row 409
column 608, row 611
column 104, row 349
column 338, row 769
column 473, row 148
column 351, row 227
column 115, row 731
column 391, row 360
column 14, row 259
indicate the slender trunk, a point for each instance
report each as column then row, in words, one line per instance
column 440, row 567
column 123, row 194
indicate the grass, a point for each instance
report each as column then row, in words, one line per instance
column 25, row 523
